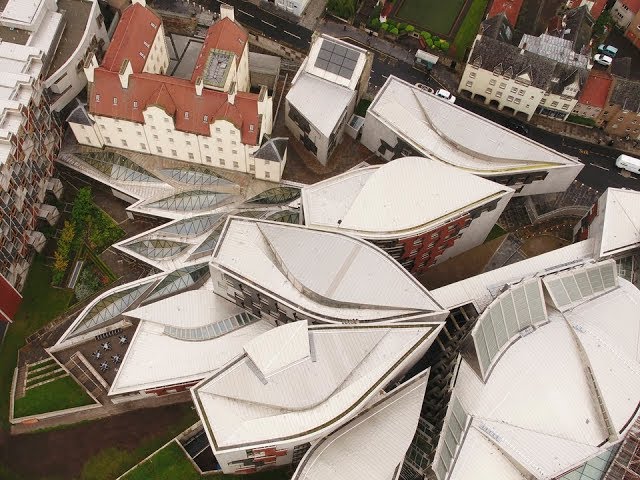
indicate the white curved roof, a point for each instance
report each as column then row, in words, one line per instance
column 349, row 364
column 407, row 194
column 379, row 437
column 456, row 136
column 538, row 405
column 331, row 275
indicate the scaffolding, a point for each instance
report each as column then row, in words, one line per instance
column 626, row 464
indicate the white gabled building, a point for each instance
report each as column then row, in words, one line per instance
column 404, row 120
column 210, row 119
column 325, row 92
column 418, row 210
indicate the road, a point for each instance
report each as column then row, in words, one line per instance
column 272, row 26
column 599, row 172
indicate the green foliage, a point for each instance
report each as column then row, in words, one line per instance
column 429, row 42
column 88, row 283
column 469, row 28
column 63, row 251
column 394, row 31
column 444, row 45
column 425, row 35
column 603, row 24
column 435, row 38
column 170, row 462
column 401, row 26
column 83, row 207
column 496, row 231
column 342, row 8
column 57, row 395
column 104, row 231
column 375, row 23
column 384, row 26
column 362, row 107
column 391, row 23
column 41, row 303
column 409, row 28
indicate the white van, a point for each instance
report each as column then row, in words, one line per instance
column 628, row 163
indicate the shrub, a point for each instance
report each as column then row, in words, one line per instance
column 425, row 35
column 63, row 250
column 402, row 26
column 444, row 45
column 384, row 26
column 394, row 31
column 435, row 38
column 342, row 8
column 375, row 23
column 429, row 42
column 391, row 23
column 409, row 28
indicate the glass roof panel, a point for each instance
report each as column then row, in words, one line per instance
column 191, row 227
column 191, row 201
column 195, row 175
column 157, row 249
column 276, row 195
column 286, row 216
column 118, row 167
column 179, row 280
column 208, row 244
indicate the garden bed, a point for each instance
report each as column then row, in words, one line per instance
column 52, row 396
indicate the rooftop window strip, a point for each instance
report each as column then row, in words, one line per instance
column 179, row 280
column 117, row 167
column 196, row 175
column 192, row 227
column 209, row 331
column 157, row 249
column 276, row 195
column 191, row 201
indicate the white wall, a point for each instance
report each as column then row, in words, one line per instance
column 68, row 79
column 243, row 82
column 158, row 59
column 621, row 15
column 88, row 134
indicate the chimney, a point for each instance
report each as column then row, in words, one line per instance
column 90, row 64
column 231, row 94
column 141, row 2
column 125, row 71
column 199, row 85
column 226, row 11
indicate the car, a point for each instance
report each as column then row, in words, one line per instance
column 518, row 127
column 424, row 88
column 608, row 50
column 603, row 59
column 446, row 94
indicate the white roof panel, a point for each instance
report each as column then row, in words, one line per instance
column 621, row 229
column 456, row 136
column 320, row 101
column 393, row 198
column 375, row 441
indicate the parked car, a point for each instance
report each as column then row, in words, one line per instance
column 603, row 59
column 424, row 88
column 446, row 94
column 608, row 50
column 518, row 127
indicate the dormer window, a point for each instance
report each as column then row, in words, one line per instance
column 146, row 44
column 115, row 100
column 205, row 119
column 135, row 104
column 141, row 54
column 186, row 115
column 251, row 128
column 154, row 25
column 97, row 98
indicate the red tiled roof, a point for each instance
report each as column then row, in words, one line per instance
column 596, row 89
column 176, row 96
column 223, row 35
column 511, row 9
column 134, row 29
column 634, row 5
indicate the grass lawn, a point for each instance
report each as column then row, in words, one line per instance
column 56, row 395
column 171, row 462
column 434, row 16
column 496, row 231
column 469, row 28
column 41, row 303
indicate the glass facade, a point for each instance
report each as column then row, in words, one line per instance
column 109, row 308
column 195, row 176
column 179, row 280
column 191, row 227
column 595, row 468
column 191, row 201
column 157, row 249
column 212, row 330
column 118, row 167
column 286, row 216
column 274, row 196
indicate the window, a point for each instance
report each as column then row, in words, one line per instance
column 233, row 142
column 155, row 137
column 517, row 101
column 510, row 98
column 232, row 132
column 102, row 126
column 252, row 168
column 472, row 75
column 146, row 44
column 150, row 118
column 166, row 120
column 208, row 158
column 97, row 98
column 186, row 115
column 87, row 139
column 217, row 129
column 220, row 149
column 124, row 143
column 521, row 92
column 543, row 101
column 139, row 133
column 174, row 153
column 503, row 86
column 469, row 84
column 154, row 25
column 107, row 139
column 251, row 127
column 115, row 100
column 565, row 106
column 267, row 175
column 135, row 104
column 219, row 140
column 206, row 146
column 205, row 119
column 492, row 81
column 170, row 140
column 159, row 149
column 488, row 90
column 514, row 89
column 221, row 161
column 499, row 94
column 235, row 152
column 143, row 146
column 190, row 156
column 236, row 165
column 554, row 104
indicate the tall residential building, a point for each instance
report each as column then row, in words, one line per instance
column 405, row 121
column 621, row 114
column 210, row 119
column 418, row 210
column 624, row 11
column 324, row 94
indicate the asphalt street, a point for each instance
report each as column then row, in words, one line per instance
column 599, row 170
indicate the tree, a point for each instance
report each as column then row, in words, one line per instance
column 394, row 31
column 375, row 23
column 342, row 8
column 409, row 28
column 425, row 35
column 83, row 207
column 384, row 26
column 61, row 255
column 444, row 45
